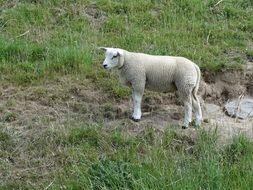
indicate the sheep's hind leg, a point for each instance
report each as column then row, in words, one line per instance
column 137, row 97
column 187, row 110
column 197, row 111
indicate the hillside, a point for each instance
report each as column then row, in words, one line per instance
column 41, row 37
column 64, row 120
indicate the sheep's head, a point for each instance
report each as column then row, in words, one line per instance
column 113, row 58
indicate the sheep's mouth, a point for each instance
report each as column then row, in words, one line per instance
column 105, row 66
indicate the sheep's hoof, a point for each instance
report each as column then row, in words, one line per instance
column 136, row 120
column 184, row 127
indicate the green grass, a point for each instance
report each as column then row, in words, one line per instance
column 88, row 157
column 45, row 39
column 42, row 38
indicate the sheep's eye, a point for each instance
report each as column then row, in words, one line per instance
column 114, row 56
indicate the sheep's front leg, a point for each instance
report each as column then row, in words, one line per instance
column 137, row 97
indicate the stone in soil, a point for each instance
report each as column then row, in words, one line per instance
column 242, row 109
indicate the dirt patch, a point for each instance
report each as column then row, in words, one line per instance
column 79, row 100
column 219, row 88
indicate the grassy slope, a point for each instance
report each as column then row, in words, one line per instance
column 40, row 39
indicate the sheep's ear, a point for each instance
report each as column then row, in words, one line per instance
column 118, row 54
column 103, row 48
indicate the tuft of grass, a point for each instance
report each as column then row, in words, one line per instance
column 112, row 174
column 6, row 143
column 241, row 148
column 86, row 135
column 113, row 87
column 4, row 137
column 237, row 163
column 8, row 117
column 15, row 51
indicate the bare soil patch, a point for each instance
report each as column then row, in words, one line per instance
column 52, row 103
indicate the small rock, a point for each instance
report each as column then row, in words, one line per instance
column 240, row 108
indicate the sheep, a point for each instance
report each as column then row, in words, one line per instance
column 157, row 73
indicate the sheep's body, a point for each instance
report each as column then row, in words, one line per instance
column 162, row 74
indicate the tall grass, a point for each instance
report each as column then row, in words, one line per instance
column 175, row 162
column 91, row 158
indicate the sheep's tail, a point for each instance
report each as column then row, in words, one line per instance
column 196, row 88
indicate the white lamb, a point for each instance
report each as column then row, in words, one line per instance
column 157, row 73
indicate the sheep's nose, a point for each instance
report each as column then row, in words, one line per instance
column 105, row 66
